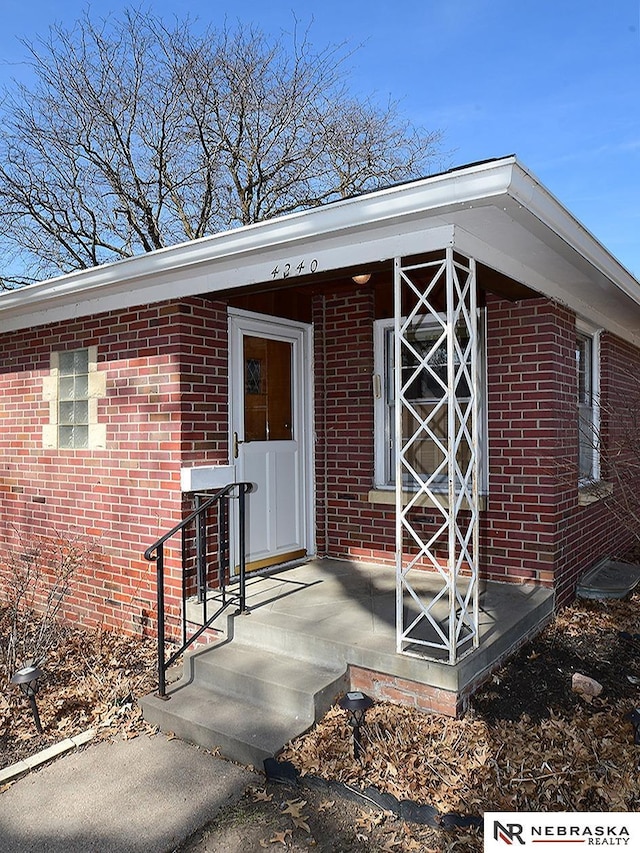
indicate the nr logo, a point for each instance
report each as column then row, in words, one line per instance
column 509, row 833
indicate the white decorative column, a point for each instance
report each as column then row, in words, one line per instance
column 437, row 457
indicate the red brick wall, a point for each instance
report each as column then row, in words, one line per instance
column 347, row 524
column 165, row 404
column 532, row 421
column 606, row 528
column 533, row 529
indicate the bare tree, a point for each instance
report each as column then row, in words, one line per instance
column 135, row 135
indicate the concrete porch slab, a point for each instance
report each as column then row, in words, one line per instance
column 316, row 630
column 337, row 612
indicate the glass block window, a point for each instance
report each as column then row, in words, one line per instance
column 73, row 399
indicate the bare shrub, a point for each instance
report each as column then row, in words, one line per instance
column 38, row 577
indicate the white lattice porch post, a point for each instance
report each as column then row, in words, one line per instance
column 437, row 456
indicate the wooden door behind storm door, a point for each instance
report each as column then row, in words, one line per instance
column 268, row 435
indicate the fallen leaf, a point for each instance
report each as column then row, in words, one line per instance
column 294, row 808
column 261, row 796
column 301, row 823
column 281, row 837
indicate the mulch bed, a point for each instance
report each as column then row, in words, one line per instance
column 529, row 742
column 91, row 680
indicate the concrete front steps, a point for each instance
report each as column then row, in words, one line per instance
column 315, row 631
column 245, row 701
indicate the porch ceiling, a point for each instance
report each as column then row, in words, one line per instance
column 496, row 212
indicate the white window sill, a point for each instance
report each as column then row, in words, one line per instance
column 388, row 496
column 591, row 493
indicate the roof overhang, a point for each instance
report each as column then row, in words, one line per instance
column 496, row 212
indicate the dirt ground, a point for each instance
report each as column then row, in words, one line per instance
column 528, row 742
column 276, row 817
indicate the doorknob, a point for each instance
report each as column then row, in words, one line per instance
column 236, row 445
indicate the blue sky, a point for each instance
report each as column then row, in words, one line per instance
column 556, row 83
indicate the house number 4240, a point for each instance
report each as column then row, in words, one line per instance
column 294, row 269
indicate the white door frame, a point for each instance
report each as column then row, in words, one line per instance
column 303, row 386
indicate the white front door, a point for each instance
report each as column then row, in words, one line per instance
column 269, row 438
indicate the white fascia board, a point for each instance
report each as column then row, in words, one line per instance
column 331, row 253
column 526, row 190
column 406, row 219
column 176, row 271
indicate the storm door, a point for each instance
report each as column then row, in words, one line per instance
column 268, row 435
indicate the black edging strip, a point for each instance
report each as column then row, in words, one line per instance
column 286, row 773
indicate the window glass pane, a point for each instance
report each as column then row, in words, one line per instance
column 425, row 390
column 81, row 436
column 66, row 388
column 268, row 404
column 586, row 441
column 73, row 436
column 66, row 412
column 66, row 363
column 81, row 361
column 81, row 412
column 585, row 369
column 586, row 432
column 73, row 412
column 81, row 390
column 428, row 383
column 65, row 436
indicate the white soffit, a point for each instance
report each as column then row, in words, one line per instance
column 513, row 241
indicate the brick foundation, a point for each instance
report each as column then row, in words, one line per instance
column 391, row 688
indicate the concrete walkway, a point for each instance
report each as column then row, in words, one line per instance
column 144, row 795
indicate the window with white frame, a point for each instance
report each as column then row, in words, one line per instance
column 425, row 393
column 588, row 389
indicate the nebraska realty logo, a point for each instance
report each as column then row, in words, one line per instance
column 556, row 830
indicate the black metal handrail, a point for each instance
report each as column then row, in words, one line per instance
column 155, row 553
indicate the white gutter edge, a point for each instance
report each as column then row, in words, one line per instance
column 481, row 184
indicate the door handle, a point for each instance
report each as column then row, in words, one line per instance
column 236, row 444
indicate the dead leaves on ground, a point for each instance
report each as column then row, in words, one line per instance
column 291, row 809
column 91, row 681
column 584, row 760
column 294, row 810
column 586, row 763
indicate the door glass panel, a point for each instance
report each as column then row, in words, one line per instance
column 267, row 390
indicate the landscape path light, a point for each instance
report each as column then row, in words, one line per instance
column 27, row 679
column 356, row 704
column 634, row 719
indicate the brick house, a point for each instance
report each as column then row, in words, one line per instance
column 266, row 354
